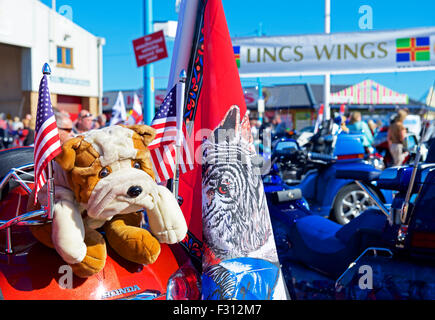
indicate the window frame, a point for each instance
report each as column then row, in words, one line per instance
column 63, row 51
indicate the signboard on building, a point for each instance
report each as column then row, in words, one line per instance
column 150, row 48
column 368, row 92
column 337, row 53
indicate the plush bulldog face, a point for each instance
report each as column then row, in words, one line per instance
column 110, row 171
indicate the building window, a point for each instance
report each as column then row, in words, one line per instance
column 64, row 57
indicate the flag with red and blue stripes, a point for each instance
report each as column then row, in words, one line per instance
column 162, row 148
column 47, row 142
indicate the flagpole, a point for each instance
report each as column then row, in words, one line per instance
column 326, row 80
column 184, row 40
column 50, row 181
column 148, row 81
column 181, row 86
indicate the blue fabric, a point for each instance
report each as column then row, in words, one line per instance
column 371, row 219
column 369, row 174
column 318, row 234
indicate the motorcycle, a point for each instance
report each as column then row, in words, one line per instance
column 29, row 270
column 384, row 253
column 313, row 168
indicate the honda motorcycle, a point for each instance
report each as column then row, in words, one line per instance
column 31, row 271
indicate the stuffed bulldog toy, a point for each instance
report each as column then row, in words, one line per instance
column 104, row 178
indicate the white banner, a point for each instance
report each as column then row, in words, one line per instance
column 338, row 53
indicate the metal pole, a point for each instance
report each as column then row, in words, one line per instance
column 100, row 43
column 50, row 181
column 260, row 101
column 405, row 207
column 50, row 191
column 326, row 84
column 148, row 87
column 181, row 85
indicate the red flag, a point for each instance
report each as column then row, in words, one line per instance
column 223, row 200
column 319, row 119
column 213, row 88
column 342, row 109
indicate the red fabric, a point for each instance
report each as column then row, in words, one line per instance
column 221, row 89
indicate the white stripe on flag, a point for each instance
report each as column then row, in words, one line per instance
column 163, row 139
column 47, row 152
column 44, row 126
column 181, row 160
column 163, row 120
column 156, row 174
column 169, row 156
column 161, row 164
column 50, row 135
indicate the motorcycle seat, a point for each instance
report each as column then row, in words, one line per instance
column 361, row 175
column 329, row 247
column 14, row 158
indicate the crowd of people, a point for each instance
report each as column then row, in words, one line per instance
column 18, row 132
column 15, row 132
column 85, row 121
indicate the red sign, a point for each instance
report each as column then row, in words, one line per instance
column 150, row 48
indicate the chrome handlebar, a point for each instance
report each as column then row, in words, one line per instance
column 37, row 217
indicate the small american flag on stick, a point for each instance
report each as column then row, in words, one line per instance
column 47, row 142
column 162, row 148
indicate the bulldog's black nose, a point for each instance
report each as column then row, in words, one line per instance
column 134, row 191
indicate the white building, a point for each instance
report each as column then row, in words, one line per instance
column 30, row 35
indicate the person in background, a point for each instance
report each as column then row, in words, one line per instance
column 396, row 138
column 85, row 121
column 279, row 127
column 64, row 126
column 100, row 121
column 27, row 135
column 17, row 124
column 372, row 125
column 357, row 125
column 343, row 125
column 3, row 123
column 339, row 128
column 9, row 123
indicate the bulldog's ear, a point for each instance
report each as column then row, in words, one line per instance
column 66, row 159
column 146, row 133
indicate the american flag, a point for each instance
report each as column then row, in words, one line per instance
column 47, row 142
column 162, row 148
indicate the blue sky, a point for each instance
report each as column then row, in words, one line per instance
column 122, row 21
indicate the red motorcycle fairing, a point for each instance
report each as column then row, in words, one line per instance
column 36, row 272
